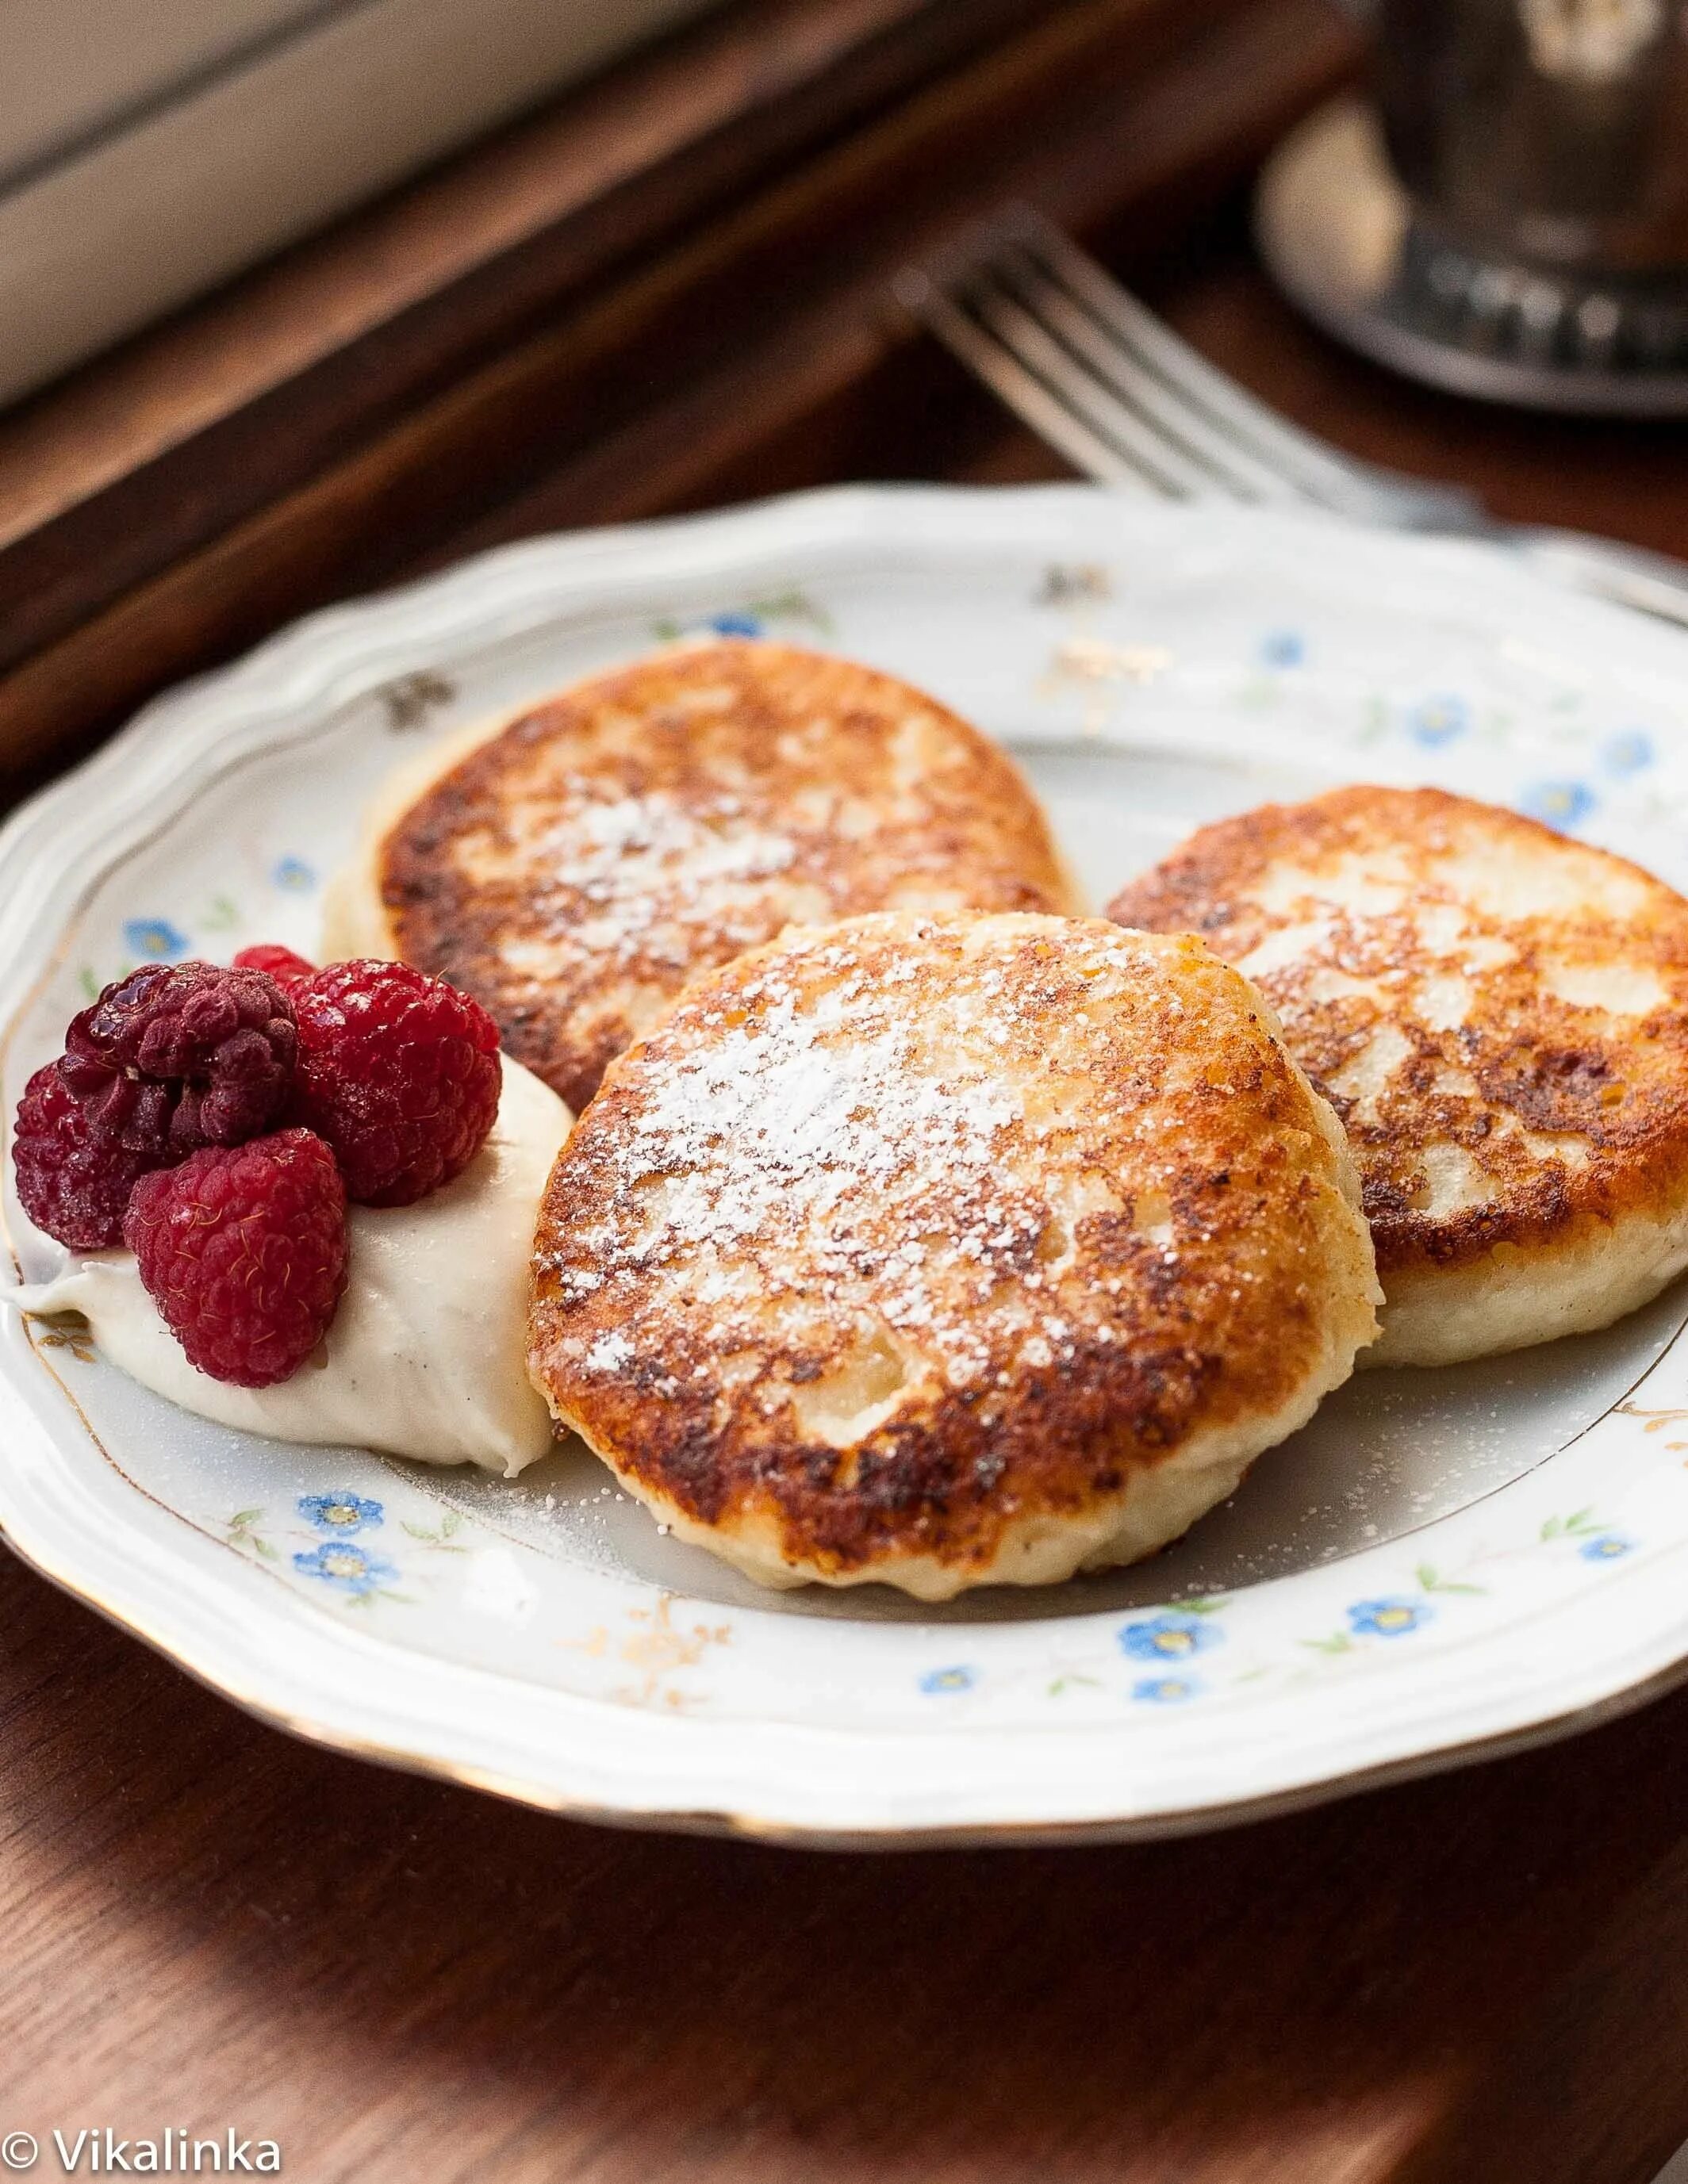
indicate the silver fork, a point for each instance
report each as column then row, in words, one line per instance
column 1095, row 373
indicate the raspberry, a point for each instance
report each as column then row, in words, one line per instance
column 243, row 1251
column 178, row 1055
column 399, row 1072
column 71, row 1182
column 286, row 968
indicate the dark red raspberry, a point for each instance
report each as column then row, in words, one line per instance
column 243, row 1251
column 287, row 968
column 178, row 1055
column 71, row 1182
column 399, row 1072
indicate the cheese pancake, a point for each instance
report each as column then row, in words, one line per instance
column 949, row 1251
column 1498, row 1015
column 574, row 866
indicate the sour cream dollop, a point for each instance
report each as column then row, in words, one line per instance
column 427, row 1356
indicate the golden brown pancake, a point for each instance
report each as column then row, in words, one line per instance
column 948, row 1252
column 573, row 868
column 1498, row 1015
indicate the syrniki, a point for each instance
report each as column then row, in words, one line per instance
column 949, row 1251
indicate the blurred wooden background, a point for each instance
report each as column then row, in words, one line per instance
column 667, row 289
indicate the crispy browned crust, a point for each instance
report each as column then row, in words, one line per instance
column 575, row 870
column 1065, row 1181
column 1569, row 1113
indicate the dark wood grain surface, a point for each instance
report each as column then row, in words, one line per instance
column 1481, row 1979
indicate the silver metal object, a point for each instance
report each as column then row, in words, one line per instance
column 1094, row 372
column 1509, row 216
column 1675, row 2171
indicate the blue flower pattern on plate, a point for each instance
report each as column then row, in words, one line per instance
column 1165, row 1691
column 346, row 1568
column 1630, row 751
column 1441, row 719
column 293, row 876
column 1607, row 1548
column 1389, row 1617
column 341, row 1514
column 737, row 625
column 1559, row 804
column 936, row 1681
column 155, row 939
column 1169, row 1637
column 1283, row 648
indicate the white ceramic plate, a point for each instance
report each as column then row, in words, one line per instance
column 1441, row 1563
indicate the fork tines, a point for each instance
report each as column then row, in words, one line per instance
column 1096, row 374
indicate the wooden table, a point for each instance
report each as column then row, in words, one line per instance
column 1477, row 1979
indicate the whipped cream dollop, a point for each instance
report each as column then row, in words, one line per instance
column 427, row 1356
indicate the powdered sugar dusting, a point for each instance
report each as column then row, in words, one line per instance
column 808, row 1118
column 608, row 1354
column 626, row 869
column 842, row 1134
column 578, row 869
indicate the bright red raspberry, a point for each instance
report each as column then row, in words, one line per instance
column 399, row 1072
column 287, row 968
column 178, row 1055
column 71, row 1181
column 243, row 1251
